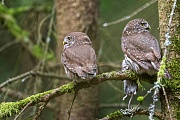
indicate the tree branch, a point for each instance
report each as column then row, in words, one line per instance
column 7, row 45
column 121, row 113
column 131, row 15
column 29, row 74
column 9, row 108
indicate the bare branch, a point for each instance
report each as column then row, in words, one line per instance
column 39, row 112
column 13, row 93
column 131, row 15
column 7, row 45
column 30, row 74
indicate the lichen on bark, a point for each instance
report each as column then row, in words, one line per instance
column 172, row 59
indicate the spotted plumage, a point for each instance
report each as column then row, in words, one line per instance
column 78, row 56
column 141, row 51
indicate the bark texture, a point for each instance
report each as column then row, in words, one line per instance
column 173, row 58
column 77, row 15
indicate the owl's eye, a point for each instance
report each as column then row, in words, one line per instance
column 143, row 24
column 69, row 37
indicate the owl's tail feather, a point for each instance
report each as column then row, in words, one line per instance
column 130, row 89
column 130, row 86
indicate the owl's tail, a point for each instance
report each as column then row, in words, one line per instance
column 130, row 89
column 130, row 86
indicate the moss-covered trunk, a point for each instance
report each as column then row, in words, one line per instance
column 172, row 87
column 77, row 15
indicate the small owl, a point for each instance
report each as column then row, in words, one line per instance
column 141, row 51
column 78, row 56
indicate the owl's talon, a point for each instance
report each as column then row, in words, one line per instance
column 130, row 101
column 125, row 97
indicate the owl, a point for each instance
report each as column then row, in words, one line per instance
column 141, row 52
column 78, row 56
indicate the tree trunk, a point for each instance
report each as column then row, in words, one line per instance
column 77, row 15
column 173, row 58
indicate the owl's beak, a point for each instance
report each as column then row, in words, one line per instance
column 148, row 27
column 64, row 42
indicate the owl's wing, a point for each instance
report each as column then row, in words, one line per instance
column 143, row 49
column 80, row 59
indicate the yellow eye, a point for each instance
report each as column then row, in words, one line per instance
column 143, row 24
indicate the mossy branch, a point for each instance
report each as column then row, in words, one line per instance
column 9, row 108
column 121, row 113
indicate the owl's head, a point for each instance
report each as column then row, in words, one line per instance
column 76, row 38
column 137, row 26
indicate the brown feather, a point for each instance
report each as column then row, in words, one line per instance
column 79, row 59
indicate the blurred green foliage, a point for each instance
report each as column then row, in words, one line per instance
column 7, row 15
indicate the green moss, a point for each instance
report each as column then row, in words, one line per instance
column 132, row 74
column 117, row 114
column 176, row 44
column 107, row 75
column 67, row 88
column 162, row 67
column 174, row 68
column 9, row 108
column 113, row 73
column 178, row 112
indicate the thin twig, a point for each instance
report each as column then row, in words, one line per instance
column 69, row 111
column 41, row 108
column 48, row 39
column 131, row 15
column 40, row 26
column 167, row 102
column 7, row 45
column 13, row 93
column 30, row 74
column 9, row 81
column 22, row 111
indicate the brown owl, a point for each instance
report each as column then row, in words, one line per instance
column 78, row 56
column 141, row 51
